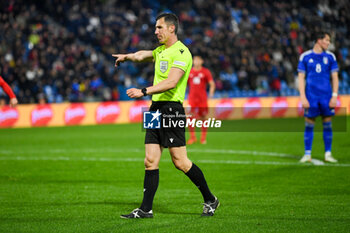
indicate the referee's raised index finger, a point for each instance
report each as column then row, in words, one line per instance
column 115, row 55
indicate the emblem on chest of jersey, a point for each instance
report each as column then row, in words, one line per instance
column 163, row 66
column 325, row 60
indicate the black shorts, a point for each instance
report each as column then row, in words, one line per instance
column 168, row 135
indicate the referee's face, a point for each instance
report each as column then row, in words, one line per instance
column 163, row 30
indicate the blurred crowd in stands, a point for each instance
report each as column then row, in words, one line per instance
column 60, row 50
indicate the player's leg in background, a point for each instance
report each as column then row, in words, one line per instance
column 193, row 138
column 327, row 133
column 310, row 115
column 327, row 114
column 181, row 162
column 151, row 180
column 203, row 113
column 309, row 134
column 328, row 138
column 308, row 138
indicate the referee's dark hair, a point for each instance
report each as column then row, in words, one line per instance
column 170, row 18
column 320, row 35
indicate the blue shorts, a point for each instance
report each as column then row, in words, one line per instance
column 318, row 107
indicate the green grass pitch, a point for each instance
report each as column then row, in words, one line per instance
column 80, row 179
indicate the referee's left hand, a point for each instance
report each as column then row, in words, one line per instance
column 134, row 93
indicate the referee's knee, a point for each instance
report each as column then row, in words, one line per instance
column 183, row 165
column 150, row 163
column 177, row 164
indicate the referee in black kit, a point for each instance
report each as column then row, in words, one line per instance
column 173, row 62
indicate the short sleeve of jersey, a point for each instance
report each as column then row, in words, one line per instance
column 209, row 76
column 334, row 64
column 182, row 60
column 301, row 65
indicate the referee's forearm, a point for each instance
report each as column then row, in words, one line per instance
column 140, row 56
column 161, row 87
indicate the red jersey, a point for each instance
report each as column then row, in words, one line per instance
column 197, row 83
column 7, row 88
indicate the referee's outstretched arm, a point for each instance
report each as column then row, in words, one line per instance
column 140, row 56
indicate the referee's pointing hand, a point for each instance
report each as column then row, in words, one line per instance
column 119, row 58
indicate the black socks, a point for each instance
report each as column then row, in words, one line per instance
column 197, row 177
column 150, row 185
column 151, row 182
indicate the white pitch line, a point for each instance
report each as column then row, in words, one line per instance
column 116, row 150
column 137, row 150
column 315, row 162
column 109, row 159
column 85, row 151
column 228, row 151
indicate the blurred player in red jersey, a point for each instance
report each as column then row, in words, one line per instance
column 197, row 98
column 9, row 92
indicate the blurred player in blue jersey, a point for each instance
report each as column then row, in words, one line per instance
column 316, row 69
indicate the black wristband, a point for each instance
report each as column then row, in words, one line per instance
column 144, row 91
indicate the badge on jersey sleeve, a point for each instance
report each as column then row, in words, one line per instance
column 325, row 60
column 163, row 66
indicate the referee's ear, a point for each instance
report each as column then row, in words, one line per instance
column 172, row 28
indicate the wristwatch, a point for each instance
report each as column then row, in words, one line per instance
column 144, row 91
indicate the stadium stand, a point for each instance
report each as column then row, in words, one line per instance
column 61, row 50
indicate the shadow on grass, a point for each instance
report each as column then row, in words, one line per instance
column 113, row 203
column 76, row 203
column 35, row 219
column 165, row 210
